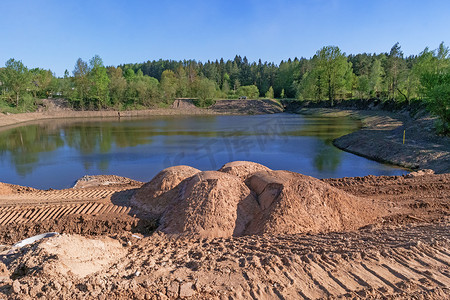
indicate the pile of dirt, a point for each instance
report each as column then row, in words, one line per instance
column 68, row 255
column 5, row 189
column 242, row 169
column 89, row 181
column 241, row 199
column 251, row 106
column 211, row 204
column 154, row 196
column 183, row 103
column 294, row 203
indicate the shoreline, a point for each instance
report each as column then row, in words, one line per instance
column 11, row 120
column 381, row 139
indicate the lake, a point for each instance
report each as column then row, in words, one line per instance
column 55, row 153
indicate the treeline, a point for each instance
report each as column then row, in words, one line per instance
column 329, row 75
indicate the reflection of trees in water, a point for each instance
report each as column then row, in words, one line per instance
column 327, row 157
column 26, row 143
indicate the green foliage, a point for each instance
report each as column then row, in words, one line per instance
column 98, row 81
column 437, row 91
column 15, row 79
column 269, row 93
column 204, row 89
column 333, row 71
column 330, row 74
column 249, row 91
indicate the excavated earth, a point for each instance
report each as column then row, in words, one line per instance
column 243, row 232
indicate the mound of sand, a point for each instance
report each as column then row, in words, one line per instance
column 154, row 196
column 5, row 189
column 89, row 181
column 241, row 199
column 295, row 203
column 211, row 204
column 70, row 255
column 243, row 169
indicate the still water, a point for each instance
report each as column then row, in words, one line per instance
column 54, row 153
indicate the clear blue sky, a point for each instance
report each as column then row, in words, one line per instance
column 53, row 34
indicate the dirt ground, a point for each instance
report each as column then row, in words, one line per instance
column 403, row 253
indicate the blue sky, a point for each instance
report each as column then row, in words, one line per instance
column 53, row 34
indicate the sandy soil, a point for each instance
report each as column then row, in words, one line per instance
column 403, row 253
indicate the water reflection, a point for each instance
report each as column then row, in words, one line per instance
column 53, row 153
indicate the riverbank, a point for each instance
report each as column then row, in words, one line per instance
column 381, row 138
column 180, row 107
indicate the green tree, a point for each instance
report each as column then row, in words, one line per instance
column 41, row 82
column 437, row 92
column 334, row 70
column 269, row 93
column 376, row 77
column 205, row 90
column 81, row 81
column 117, row 85
column 168, row 85
column 99, row 81
column 250, row 91
column 395, row 70
column 15, row 78
column 363, row 86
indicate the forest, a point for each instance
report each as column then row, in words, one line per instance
column 327, row 76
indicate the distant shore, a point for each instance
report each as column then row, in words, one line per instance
column 221, row 107
column 381, row 138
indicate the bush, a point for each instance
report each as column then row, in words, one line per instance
column 250, row 91
column 437, row 92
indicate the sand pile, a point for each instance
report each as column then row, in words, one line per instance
column 242, row 169
column 5, row 189
column 69, row 255
column 211, row 204
column 154, row 196
column 89, row 181
column 295, row 203
column 248, row 198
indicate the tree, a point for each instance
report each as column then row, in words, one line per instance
column 269, row 93
column 334, row 69
column 168, row 85
column 376, row 77
column 117, row 85
column 41, row 81
column 437, row 91
column 250, row 91
column 81, row 81
column 99, row 81
column 205, row 89
column 395, row 71
column 15, row 78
